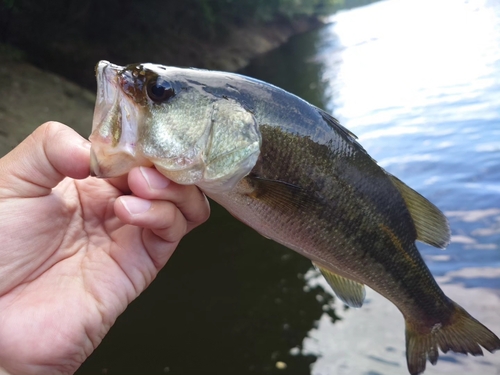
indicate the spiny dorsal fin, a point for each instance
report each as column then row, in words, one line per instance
column 348, row 291
column 430, row 223
column 346, row 133
column 334, row 123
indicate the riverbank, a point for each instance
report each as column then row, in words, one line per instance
column 243, row 44
column 30, row 95
column 74, row 56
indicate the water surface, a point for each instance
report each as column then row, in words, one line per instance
column 419, row 83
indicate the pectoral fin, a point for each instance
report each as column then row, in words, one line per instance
column 278, row 194
column 430, row 223
column 348, row 291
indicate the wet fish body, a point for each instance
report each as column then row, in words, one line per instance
column 293, row 173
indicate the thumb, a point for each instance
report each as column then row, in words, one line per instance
column 52, row 152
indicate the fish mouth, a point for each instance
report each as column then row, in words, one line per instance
column 115, row 163
column 115, row 141
column 107, row 90
column 106, row 71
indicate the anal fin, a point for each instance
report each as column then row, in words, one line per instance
column 348, row 291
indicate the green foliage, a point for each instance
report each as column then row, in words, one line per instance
column 206, row 19
column 9, row 4
column 9, row 53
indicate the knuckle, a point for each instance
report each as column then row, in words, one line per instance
column 169, row 215
column 176, row 228
column 47, row 132
column 49, row 128
column 202, row 211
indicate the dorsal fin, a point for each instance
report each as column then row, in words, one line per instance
column 344, row 132
column 348, row 291
column 334, row 123
column 430, row 223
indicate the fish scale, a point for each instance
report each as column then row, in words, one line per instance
column 358, row 238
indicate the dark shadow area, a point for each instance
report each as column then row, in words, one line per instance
column 229, row 302
column 69, row 36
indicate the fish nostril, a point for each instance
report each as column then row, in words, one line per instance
column 94, row 164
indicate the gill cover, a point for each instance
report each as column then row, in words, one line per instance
column 213, row 145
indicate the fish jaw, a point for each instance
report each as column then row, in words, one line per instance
column 115, row 142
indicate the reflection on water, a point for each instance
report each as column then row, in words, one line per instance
column 419, row 82
column 371, row 340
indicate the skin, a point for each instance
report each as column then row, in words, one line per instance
column 76, row 250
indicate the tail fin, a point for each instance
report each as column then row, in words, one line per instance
column 462, row 334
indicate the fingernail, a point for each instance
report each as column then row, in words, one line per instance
column 154, row 179
column 135, row 205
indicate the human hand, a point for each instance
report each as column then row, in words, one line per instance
column 76, row 250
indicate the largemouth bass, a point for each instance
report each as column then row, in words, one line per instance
column 290, row 171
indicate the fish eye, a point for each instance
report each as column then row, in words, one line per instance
column 160, row 91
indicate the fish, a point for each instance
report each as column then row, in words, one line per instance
column 292, row 172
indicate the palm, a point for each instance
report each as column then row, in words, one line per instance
column 77, row 266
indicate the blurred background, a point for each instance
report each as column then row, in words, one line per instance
column 417, row 80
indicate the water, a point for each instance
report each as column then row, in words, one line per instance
column 419, row 82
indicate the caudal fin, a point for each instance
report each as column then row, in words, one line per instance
column 462, row 334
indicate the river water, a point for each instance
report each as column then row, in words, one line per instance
column 418, row 81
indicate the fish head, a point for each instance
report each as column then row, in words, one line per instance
column 148, row 114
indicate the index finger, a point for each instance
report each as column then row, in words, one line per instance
column 150, row 184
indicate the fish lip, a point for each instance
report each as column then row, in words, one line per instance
column 106, row 69
column 113, row 164
column 107, row 81
column 107, row 90
column 106, row 72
